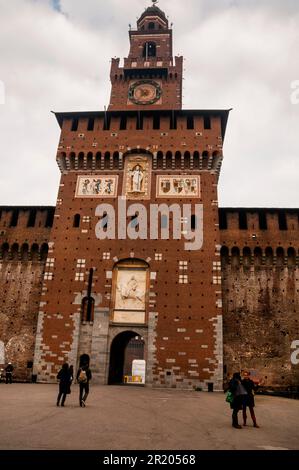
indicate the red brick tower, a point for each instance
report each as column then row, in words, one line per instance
column 150, row 78
column 116, row 286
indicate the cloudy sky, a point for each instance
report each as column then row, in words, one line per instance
column 240, row 54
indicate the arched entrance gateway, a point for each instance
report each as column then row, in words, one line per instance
column 128, row 321
column 126, row 349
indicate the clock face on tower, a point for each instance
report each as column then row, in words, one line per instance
column 145, row 92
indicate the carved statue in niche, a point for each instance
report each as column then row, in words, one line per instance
column 137, row 180
column 137, row 177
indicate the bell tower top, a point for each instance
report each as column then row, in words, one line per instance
column 152, row 18
column 151, row 78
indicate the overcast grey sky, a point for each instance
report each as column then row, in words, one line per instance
column 240, row 54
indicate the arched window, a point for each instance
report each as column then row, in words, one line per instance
column 178, row 159
column 224, row 253
column 151, row 25
column 5, row 251
column 25, row 252
column 107, row 161
column 291, row 257
column 168, row 160
column 81, row 161
column 44, row 251
column 196, row 160
column 89, row 160
column 258, row 256
column 116, row 160
column 205, row 159
column 15, row 252
column 235, row 257
column 280, row 256
column 149, row 50
column 246, row 256
column 35, row 252
column 269, row 256
column 160, row 160
column 77, row 220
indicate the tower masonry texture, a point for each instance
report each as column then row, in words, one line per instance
column 138, row 249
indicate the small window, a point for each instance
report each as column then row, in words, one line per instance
column 107, row 122
column 282, row 220
column 90, row 126
column 156, row 121
column 207, row 122
column 263, row 221
column 222, row 220
column 190, row 122
column 31, row 218
column 50, row 218
column 77, row 220
column 75, row 125
column 14, row 218
column 149, row 50
column 139, row 122
column 243, row 220
column 123, row 123
column 151, row 25
column 173, row 121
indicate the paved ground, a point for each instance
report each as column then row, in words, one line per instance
column 139, row 418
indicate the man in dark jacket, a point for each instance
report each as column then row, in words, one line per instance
column 9, row 371
column 239, row 394
column 64, row 378
column 250, row 388
column 83, row 378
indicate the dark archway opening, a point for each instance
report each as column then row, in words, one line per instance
column 125, row 348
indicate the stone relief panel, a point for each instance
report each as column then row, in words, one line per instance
column 96, row 186
column 137, row 177
column 178, row 186
column 130, row 296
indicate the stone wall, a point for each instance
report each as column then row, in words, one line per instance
column 24, row 233
column 20, row 289
column 260, row 284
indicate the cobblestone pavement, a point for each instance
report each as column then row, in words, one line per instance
column 139, row 418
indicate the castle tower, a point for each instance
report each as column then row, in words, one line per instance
column 133, row 269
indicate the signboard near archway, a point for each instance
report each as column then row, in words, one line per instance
column 2, row 353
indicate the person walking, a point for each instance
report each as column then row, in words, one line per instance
column 250, row 388
column 64, row 384
column 239, row 393
column 9, row 370
column 83, row 378
column 71, row 371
